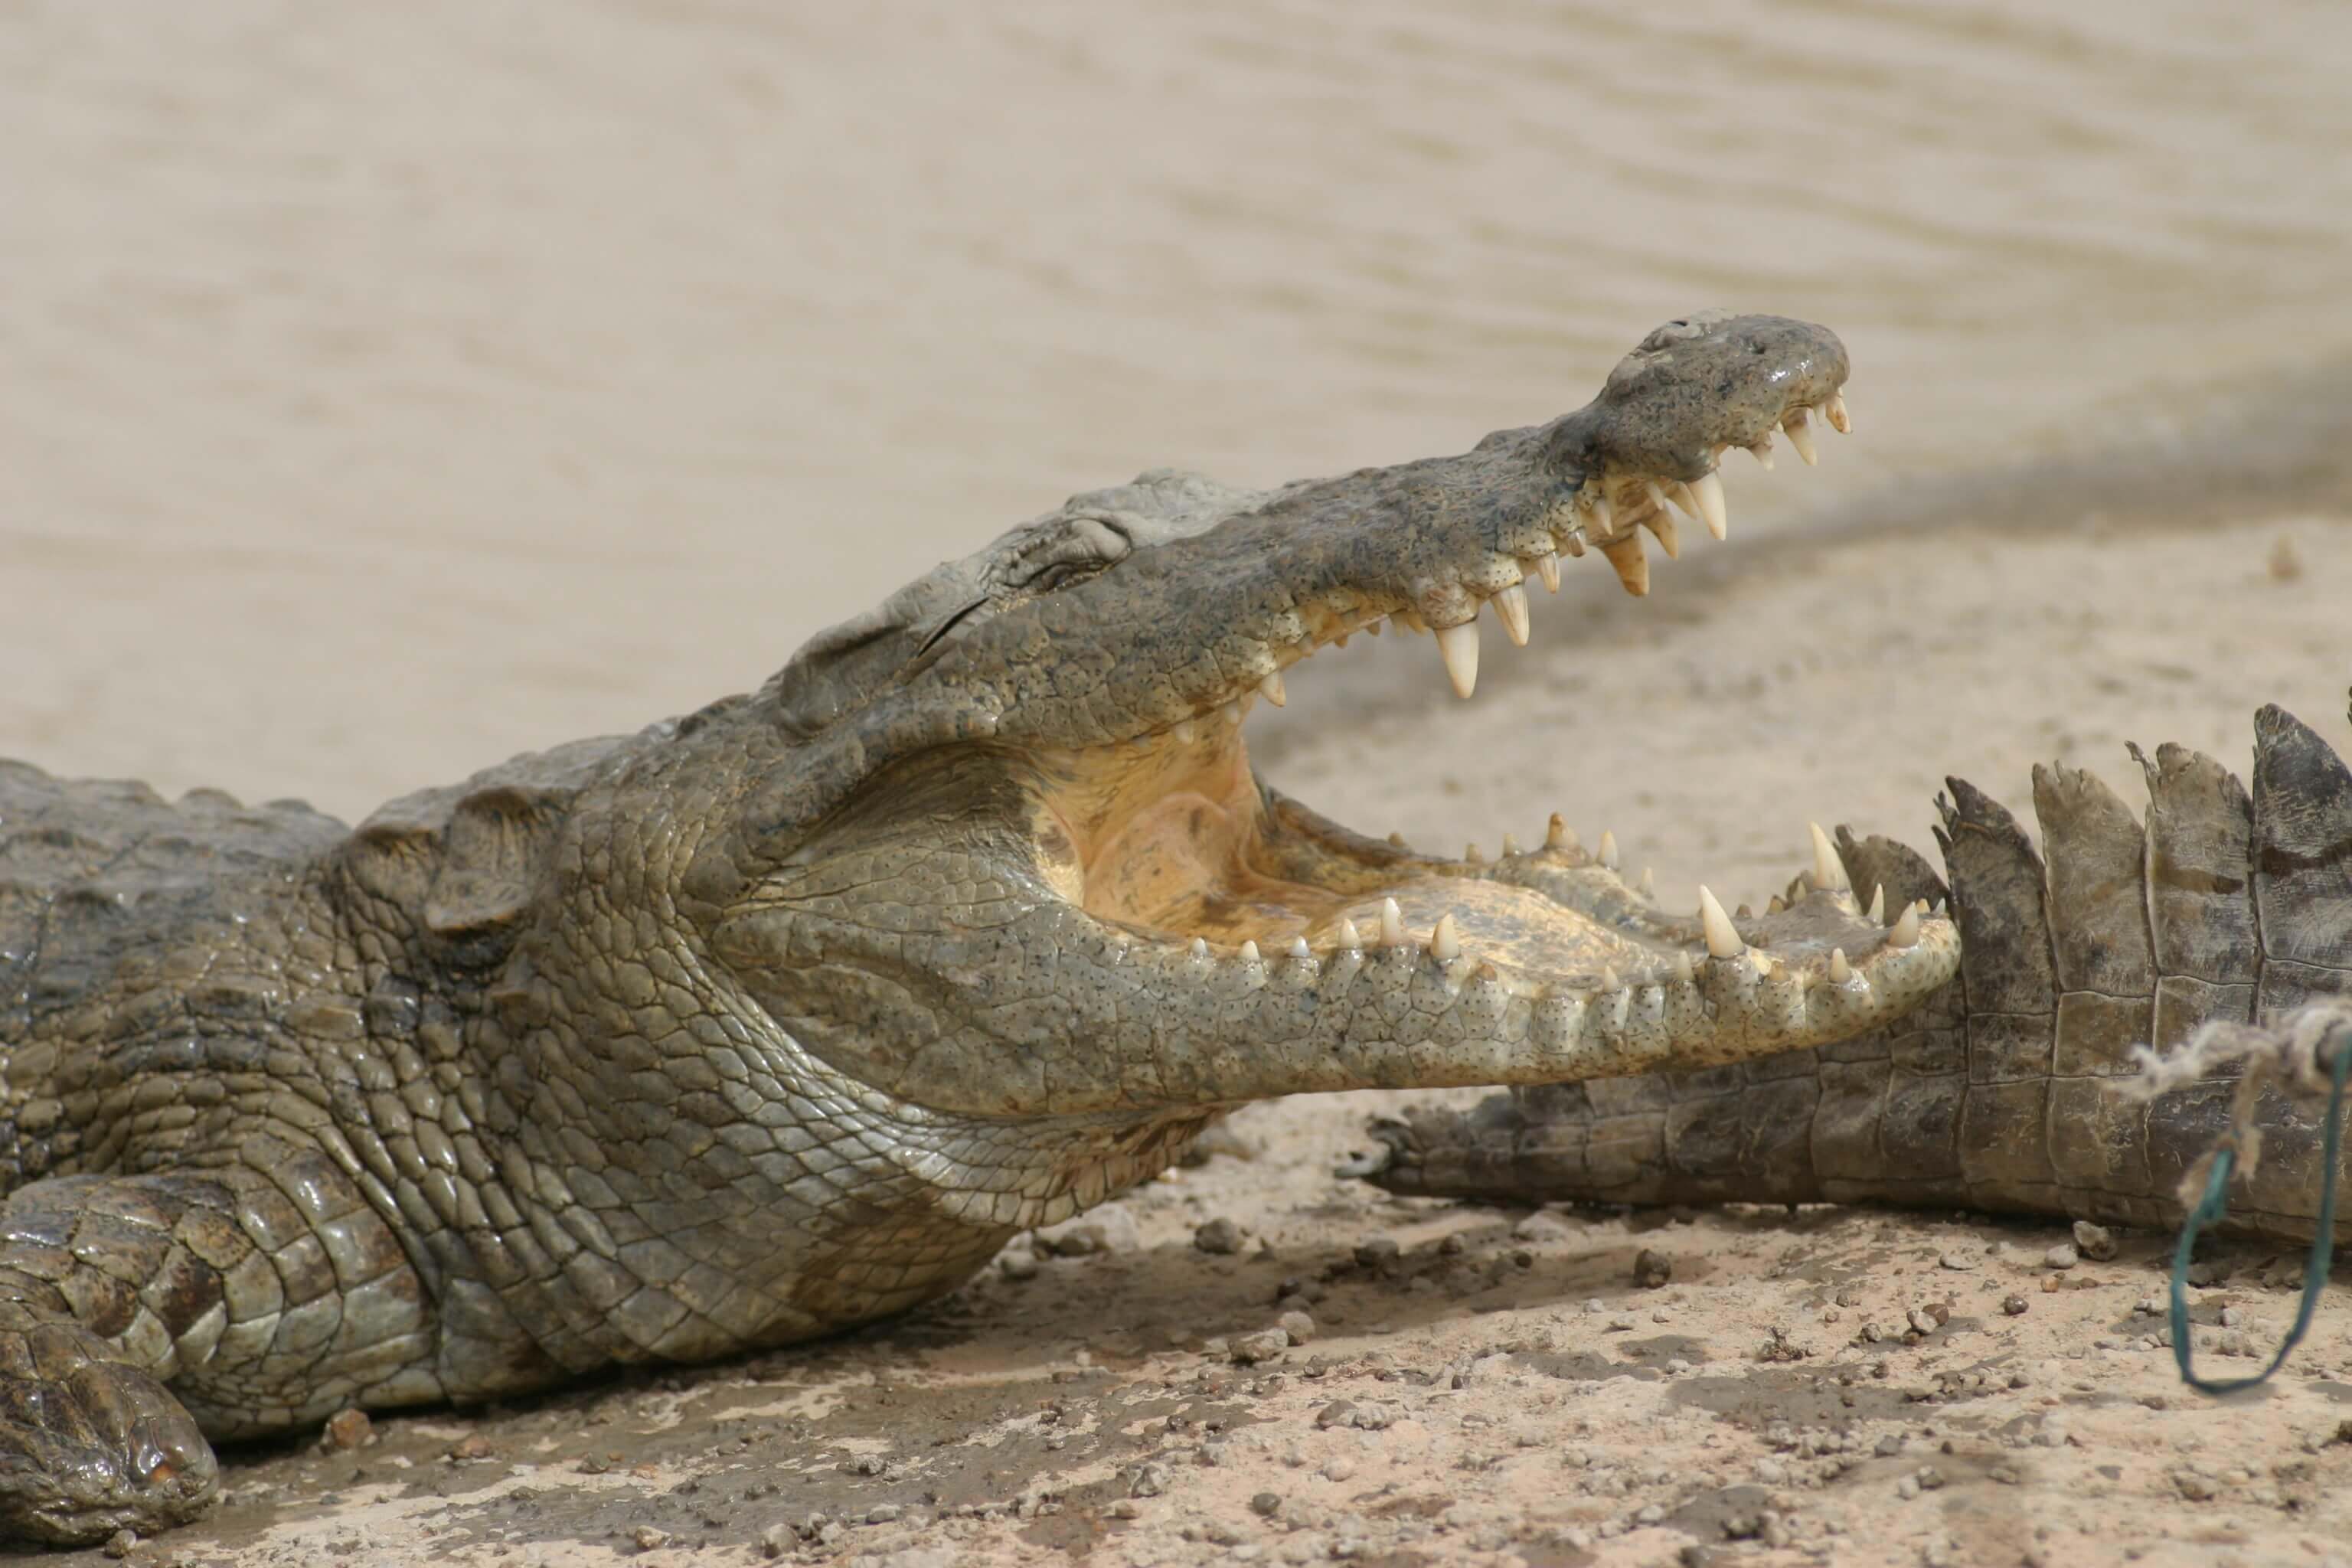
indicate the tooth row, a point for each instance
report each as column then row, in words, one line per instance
column 1766, row 995
column 1723, row 939
column 1458, row 646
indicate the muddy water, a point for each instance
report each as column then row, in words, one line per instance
column 382, row 389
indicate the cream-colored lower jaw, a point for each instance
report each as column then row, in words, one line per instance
column 1174, row 848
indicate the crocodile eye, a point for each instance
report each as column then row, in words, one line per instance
column 1062, row 574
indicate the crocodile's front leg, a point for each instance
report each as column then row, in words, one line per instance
column 139, row 1314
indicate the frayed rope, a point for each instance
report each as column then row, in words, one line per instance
column 2308, row 1053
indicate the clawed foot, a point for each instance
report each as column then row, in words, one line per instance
column 89, row 1447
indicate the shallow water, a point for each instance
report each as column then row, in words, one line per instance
column 387, row 389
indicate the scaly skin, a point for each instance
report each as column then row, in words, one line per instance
column 785, row 1016
column 2011, row 1089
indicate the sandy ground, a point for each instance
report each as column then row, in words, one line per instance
column 1491, row 1386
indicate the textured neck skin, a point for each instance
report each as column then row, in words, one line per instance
column 786, row 1015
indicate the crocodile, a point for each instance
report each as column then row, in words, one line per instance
column 786, row 1015
column 2018, row 1086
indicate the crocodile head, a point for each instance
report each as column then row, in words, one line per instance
column 999, row 849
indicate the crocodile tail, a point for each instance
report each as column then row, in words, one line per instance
column 2012, row 1088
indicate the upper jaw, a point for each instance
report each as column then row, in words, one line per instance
column 1199, row 625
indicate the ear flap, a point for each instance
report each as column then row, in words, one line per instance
column 464, row 861
column 489, row 858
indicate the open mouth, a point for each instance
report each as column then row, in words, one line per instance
column 1169, row 838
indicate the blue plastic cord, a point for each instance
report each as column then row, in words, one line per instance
column 2209, row 1211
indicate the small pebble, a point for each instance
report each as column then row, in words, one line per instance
column 1264, row 1345
column 1377, row 1252
column 648, row 1538
column 1297, row 1325
column 1544, row 1224
column 1220, row 1236
column 2013, row 1305
column 1652, row 1269
column 346, row 1430
column 1265, row 1505
column 2096, row 1242
column 2062, row 1255
column 1018, row 1265
column 1955, row 1260
column 120, row 1542
column 1110, row 1228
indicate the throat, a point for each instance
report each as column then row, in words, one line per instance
column 1168, row 839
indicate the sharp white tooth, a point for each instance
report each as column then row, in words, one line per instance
column 1878, row 906
column 1608, row 849
column 1574, row 544
column 1349, row 941
column 1829, row 871
column 1391, row 924
column 1661, row 523
column 1684, row 972
column 1680, row 494
column 1762, row 451
column 1299, row 948
column 1609, row 981
column 1200, row 947
column 1444, row 943
column 1511, row 609
column 1775, row 904
column 1341, row 640
column 1648, row 886
column 1603, row 514
column 1510, row 845
column 1232, row 712
column 1458, row 647
column 1904, row 932
column 1473, row 855
column 1708, row 491
column 1249, row 952
column 1548, row 568
column 1272, row 690
column 1185, row 731
column 1834, row 411
column 1800, row 431
column 1558, row 835
column 1722, row 940
column 1633, row 568
column 1839, row 970
column 1374, row 628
